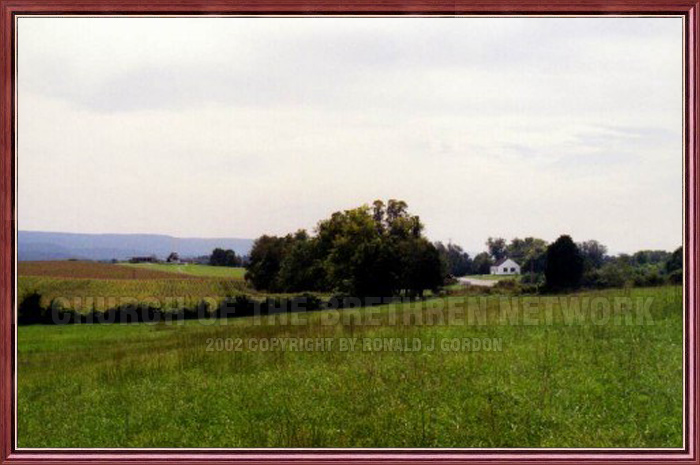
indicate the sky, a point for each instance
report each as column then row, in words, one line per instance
column 238, row 127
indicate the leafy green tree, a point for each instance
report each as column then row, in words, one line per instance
column 302, row 266
column 456, row 259
column 265, row 261
column 611, row 274
column 482, row 263
column 675, row 261
column 564, row 268
column 376, row 251
column 422, row 267
column 221, row 257
column 231, row 259
column 497, row 247
column 217, row 256
column 530, row 253
column 650, row 257
column 373, row 271
column 516, row 250
column 398, row 223
column 378, row 214
column 594, row 254
column 359, row 258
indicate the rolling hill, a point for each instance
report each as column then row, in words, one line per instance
column 40, row 245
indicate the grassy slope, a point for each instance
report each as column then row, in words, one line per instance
column 194, row 270
column 553, row 385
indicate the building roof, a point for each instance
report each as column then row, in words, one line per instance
column 503, row 260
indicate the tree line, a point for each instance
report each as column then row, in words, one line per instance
column 380, row 250
column 529, row 253
column 221, row 257
column 567, row 264
column 377, row 250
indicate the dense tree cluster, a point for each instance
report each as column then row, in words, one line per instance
column 370, row 251
column 497, row 247
column 594, row 254
column 675, row 261
column 221, row 257
column 643, row 268
column 595, row 268
column 457, row 260
column 380, row 251
column 482, row 263
column 529, row 252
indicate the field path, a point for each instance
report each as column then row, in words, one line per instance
column 478, row 282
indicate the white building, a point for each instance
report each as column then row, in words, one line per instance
column 505, row 266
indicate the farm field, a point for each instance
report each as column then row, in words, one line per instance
column 91, row 285
column 206, row 271
column 591, row 383
column 93, row 270
column 85, row 295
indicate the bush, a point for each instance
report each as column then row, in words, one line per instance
column 676, row 277
column 530, row 289
column 450, row 280
column 648, row 278
column 536, row 279
column 240, row 305
column 507, row 285
column 30, row 311
column 619, row 275
column 59, row 314
column 610, row 275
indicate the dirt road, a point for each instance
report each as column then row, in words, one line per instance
column 478, row 282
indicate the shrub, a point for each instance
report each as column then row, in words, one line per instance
column 647, row 278
column 534, row 279
column 507, row 285
column 676, row 277
column 610, row 275
column 30, row 311
column 189, row 313
column 239, row 305
column 530, row 289
column 59, row 314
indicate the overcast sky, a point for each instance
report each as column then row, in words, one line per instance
column 235, row 127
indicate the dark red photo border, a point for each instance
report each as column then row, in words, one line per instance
column 11, row 8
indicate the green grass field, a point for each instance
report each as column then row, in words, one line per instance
column 194, row 270
column 590, row 383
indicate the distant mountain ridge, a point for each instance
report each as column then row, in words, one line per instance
column 40, row 245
